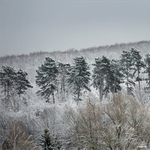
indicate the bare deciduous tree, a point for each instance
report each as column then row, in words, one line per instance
column 121, row 124
column 17, row 139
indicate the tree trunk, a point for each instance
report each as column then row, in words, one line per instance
column 78, row 94
column 139, row 86
column 128, row 92
column 100, row 94
column 53, row 98
column 149, row 79
column 5, row 92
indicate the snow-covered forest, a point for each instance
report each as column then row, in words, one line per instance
column 89, row 99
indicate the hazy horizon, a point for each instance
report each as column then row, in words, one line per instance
column 33, row 26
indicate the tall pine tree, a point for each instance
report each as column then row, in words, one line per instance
column 79, row 76
column 115, row 77
column 99, row 74
column 13, row 83
column 106, row 76
column 7, row 78
column 138, row 66
column 147, row 69
column 21, row 82
column 127, row 64
column 46, row 79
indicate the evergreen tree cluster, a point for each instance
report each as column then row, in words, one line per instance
column 46, row 78
column 107, row 76
column 49, row 76
column 53, row 77
column 79, row 76
column 13, row 82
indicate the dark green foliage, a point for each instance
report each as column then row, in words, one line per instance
column 46, row 78
column 99, row 74
column 138, row 63
column 79, row 76
column 115, row 77
column 106, row 76
column 21, row 83
column 147, row 71
column 132, row 65
column 138, row 66
column 48, row 143
column 13, row 83
column 7, row 78
column 127, row 64
column 98, row 78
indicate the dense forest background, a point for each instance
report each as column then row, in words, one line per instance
column 67, row 124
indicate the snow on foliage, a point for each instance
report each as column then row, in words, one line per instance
column 117, row 122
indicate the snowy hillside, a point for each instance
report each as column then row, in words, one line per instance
column 31, row 62
column 83, row 121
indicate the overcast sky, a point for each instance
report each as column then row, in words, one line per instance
column 44, row 25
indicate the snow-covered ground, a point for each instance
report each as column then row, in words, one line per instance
column 36, row 114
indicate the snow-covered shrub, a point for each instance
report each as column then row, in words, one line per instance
column 122, row 124
column 17, row 138
column 5, row 123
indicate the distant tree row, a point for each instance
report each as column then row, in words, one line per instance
column 13, row 83
column 107, row 77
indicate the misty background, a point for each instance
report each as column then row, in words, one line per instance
column 31, row 26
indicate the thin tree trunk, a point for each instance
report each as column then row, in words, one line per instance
column 100, row 94
column 149, row 79
column 53, row 98
column 5, row 92
column 78, row 96
column 139, row 86
column 127, row 84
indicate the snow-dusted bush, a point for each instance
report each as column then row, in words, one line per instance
column 5, row 122
column 18, row 139
column 122, row 124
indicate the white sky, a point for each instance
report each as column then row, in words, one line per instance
column 45, row 25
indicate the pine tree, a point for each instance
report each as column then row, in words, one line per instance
column 127, row 64
column 7, row 78
column 46, row 79
column 79, row 76
column 49, row 143
column 46, row 142
column 99, row 73
column 13, row 83
column 147, row 70
column 106, row 76
column 115, row 77
column 138, row 65
column 21, row 82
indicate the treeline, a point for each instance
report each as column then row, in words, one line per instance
column 13, row 84
column 107, row 75
column 57, row 78
column 122, row 124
